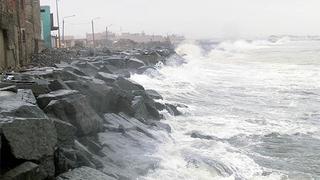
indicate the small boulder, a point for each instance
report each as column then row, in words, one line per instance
column 172, row 109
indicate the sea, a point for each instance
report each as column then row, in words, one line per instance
column 250, row 110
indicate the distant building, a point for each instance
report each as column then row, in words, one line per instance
column 47, row 27
column 20, row 32
column 101, row 38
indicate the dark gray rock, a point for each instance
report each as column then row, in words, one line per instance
column 45, row 99
column 172, row 109
column 57, row 84
column 118, row 161
column 117, row 62
column 47, row 167
column 102, row 97
column 114, row 121
column 66, row 159
column 65, row 132
column 127, row 85
column 40, row 86
column 105, row 69
column 153, row 94
column 139, row 108
column 77, row 111
column 91, row 144
column 26, row 95
column 162, row 126
column 25, row 171
column 84, row 173
column 150, row 57
column 88, row 68
column 29, row 139
column 135, row 64
column 199, row 135
column 19, row 105
column 29, row 132
column 144, row 69
column 137, row 104
column 75, row 70
column 12, row 88
column 106, row 77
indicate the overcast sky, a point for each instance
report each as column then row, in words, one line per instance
column 193, row 18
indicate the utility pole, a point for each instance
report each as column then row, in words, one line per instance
column 59, row 35
column 93, row 40
column 63, row 27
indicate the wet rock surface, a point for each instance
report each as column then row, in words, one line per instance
column 82, row 118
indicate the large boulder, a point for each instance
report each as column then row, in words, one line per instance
column 101, row 97
column 84, row 173
column 127, row 84
column 29, row 139
column 45, row 99
column 77, row 111
column 88, row 68
column 138, row 104
column 126, row 133
column 29, row 132
column 150, row 57
column 134, row 63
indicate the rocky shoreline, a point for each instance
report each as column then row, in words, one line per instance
column 82, row 119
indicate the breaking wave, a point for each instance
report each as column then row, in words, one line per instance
column 253, row 111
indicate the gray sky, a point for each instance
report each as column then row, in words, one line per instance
column 194, row 18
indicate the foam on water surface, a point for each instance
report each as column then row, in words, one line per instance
column 259, row 99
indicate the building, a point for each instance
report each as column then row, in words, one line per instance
column 20, row 32
column 101, row 38
column 47, row 26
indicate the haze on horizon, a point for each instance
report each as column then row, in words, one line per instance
column 193, row 18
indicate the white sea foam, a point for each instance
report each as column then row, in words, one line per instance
column 240, row 93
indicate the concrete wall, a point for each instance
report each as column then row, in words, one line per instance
column 20, row 32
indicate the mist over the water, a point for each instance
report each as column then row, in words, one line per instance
column 193, row 18
column 253, row 111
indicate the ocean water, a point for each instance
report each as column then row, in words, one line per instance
column 257, row 103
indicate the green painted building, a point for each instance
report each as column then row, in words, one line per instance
column 46, row 23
